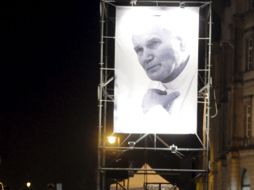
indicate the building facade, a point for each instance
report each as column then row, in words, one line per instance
column 232, row 130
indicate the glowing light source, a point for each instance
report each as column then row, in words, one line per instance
column 28, row 184
column 111, row 139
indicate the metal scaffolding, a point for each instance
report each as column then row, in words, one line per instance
column 141, row 143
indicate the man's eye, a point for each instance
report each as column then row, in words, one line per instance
column 153, row 43
column 138, row 50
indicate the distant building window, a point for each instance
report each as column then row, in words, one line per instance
column 245, row 180
column 247, row 110
column 249, row 54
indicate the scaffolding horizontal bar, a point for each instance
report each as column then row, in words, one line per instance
column 159, row 1
column 113, row 37
column 152, row 148
column 109, row 37
column 204, row 38
column 103, row 100
column 154, row 169
column 111, row 69
column 203, row 69
column 162, row 173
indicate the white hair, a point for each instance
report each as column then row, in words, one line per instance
column 175, row 20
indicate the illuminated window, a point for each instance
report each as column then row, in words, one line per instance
column 245, row 180
column 247, row 110
column 160, row 186
column 249, row 54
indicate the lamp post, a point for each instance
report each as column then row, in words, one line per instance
column 1, row 185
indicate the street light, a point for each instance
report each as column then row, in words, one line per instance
column 28, row 184
column 111, row 139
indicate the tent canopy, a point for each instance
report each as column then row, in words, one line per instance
column 145, row 175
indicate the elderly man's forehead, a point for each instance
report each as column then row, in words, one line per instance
column 151, row 27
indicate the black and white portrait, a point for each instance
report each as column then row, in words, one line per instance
column 156, row 61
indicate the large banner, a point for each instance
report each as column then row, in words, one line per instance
column 156, row 64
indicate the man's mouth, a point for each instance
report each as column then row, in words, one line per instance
column 153, row 68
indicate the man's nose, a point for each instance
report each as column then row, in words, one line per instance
column 147, row 56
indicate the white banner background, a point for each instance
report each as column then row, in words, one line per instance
column 132, row 83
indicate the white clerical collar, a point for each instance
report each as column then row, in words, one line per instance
column 183, row 79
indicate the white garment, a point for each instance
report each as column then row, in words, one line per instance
column 182, row 116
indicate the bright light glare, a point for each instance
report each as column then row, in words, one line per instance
column 28, row 184
column 111, row 139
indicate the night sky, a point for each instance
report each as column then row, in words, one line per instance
column 49, row 77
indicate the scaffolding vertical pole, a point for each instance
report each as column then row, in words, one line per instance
column 100, row 88
column 208, row 97
column 105, row 94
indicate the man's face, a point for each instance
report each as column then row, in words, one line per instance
column 158, row 53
